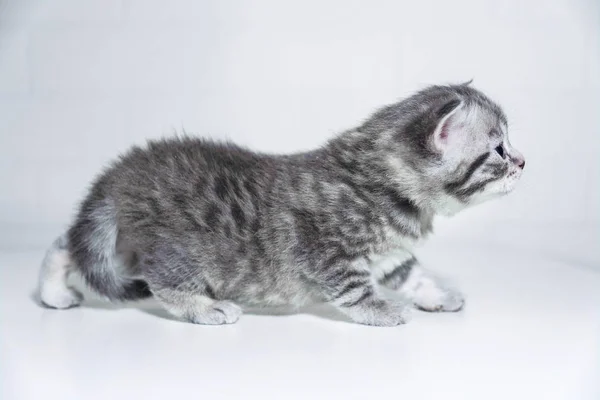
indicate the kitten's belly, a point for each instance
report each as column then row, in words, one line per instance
column 288, row 288
column 283, row 291
column 280, row 298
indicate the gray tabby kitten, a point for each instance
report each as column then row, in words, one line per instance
column 205, row 227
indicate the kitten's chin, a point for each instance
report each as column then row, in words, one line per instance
column 496, row 189
column 504, row 187
column 501, row 189
column 449, row 206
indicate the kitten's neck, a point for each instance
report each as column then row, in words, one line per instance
column 357, row 153
column 399, row 196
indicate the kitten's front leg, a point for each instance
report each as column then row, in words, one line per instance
column 427, row 291
column 352, row 290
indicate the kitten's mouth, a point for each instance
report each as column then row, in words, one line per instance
column 510, row 182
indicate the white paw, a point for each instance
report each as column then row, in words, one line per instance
column 393, row 313
column 231, row 312
column 60, row 298
column 216, row 313
column 453, row 301
column 431, row 296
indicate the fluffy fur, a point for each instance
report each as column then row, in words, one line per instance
column 205, row 226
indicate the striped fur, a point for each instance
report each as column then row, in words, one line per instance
column 205, row 226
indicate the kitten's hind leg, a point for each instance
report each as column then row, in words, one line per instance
column 53, row 290
column 427, row 291
column 177, row 282
column 198, row 309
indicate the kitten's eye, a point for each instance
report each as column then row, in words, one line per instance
column 500, row 150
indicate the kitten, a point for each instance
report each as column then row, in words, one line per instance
column 205, row 226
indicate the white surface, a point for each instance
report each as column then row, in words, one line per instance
column 530, row 330
column 81, row 81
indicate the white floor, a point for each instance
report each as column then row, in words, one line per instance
column 531, row 330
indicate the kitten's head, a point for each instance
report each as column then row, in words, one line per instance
column 450, row 143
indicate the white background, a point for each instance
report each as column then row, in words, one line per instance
column 82, row 80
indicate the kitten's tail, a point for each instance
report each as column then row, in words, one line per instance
column 93, row 243
column 95, row 259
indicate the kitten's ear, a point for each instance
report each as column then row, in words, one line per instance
column 444, row 130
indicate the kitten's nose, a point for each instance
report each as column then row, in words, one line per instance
column 519, row 161
column 516, row 157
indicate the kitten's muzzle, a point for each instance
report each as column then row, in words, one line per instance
column 517, row 159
